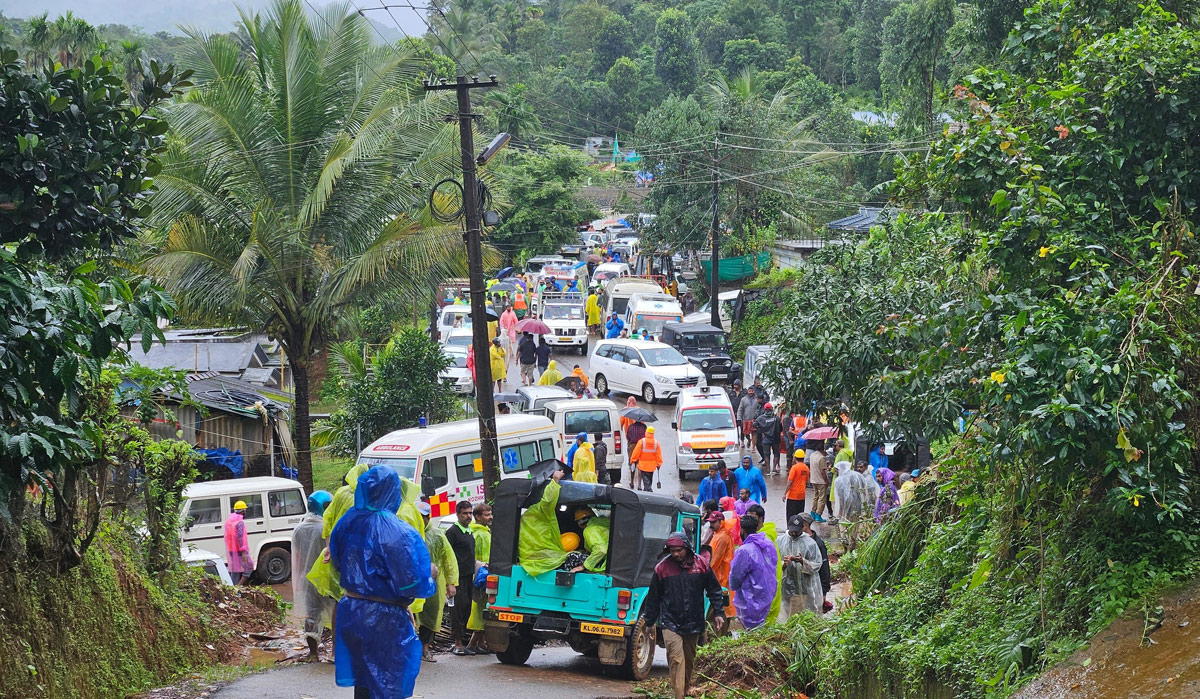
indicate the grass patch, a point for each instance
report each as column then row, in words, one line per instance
column 329, row 472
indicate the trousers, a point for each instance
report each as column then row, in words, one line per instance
column 820, row 497
column 794, row 507
column 681, row 656
column 647, row 479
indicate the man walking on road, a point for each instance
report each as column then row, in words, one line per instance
column 801, row 568
column 647, row 456
column 527, row 358
column 747, row 411
column 600, row 452
column 675, row 603
column 769, row 429
column 818, row 475
column 712, row 487
column 543, row 356
column 797, row 490
column 752, row 574
column 750, row 477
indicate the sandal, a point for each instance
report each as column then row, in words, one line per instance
column 461, row 651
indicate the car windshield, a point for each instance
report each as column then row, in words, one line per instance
column 458, row 359
column 563, row 311
column 407, row 468
column 664, row 356
column 707, row 419
column 704, row 341
column 653, row 324
column 461, row 340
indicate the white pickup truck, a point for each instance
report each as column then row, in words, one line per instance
column 563, row 313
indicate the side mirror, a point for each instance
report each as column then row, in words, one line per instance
column 427, row 487
column 674, row 425
column 635, row 362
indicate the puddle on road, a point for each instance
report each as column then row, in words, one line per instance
column 1116, row 664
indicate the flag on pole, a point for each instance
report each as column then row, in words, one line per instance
column 616, row 149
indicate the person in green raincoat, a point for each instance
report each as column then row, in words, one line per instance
column 408, row 512
column 322, row 575
column 595, row 540
column 539, row 542
column 443, row 558
column 480, row 529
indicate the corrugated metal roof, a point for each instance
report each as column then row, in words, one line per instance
column 859, row 223
column 224, row 357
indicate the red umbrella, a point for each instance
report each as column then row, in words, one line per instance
column 822, row 433
column 532, row 325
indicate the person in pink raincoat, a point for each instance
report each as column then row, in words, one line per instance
column 237, row 545
column 508, row 323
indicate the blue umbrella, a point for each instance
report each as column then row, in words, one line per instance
column 504, row 272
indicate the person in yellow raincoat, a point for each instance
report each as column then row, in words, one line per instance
column 481, row 531
column 594, row 314
column 551, row 375
column 595, row 540
column 584, row 466
column 499, row 363
column 447, row 576
column 539, row 541
column 323, row 575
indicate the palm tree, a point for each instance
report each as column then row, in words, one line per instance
column 130, row 53
column 512, row 112
column 288, row 189
column 463, row 37
column 74, row 37
column 39, row 37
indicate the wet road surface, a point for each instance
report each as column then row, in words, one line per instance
column 552, row 673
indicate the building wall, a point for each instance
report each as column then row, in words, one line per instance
column 234, row 432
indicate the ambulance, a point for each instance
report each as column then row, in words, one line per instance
column 445, row 459
column 705, row 429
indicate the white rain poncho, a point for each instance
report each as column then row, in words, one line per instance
column 802, row 578
column 868, row 490
column 307, row 603
column 848, row 504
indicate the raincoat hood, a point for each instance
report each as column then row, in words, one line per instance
column 888, row 475
column 318, row 501
column 379, row 490
column 727, row 503
column 747, row 462
column 356, row 471
column 631, row 403
column 552, row 366
column 760, row 541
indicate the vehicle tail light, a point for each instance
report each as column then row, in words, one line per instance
column 617, row 440
column 492, row 586
column 624, row 597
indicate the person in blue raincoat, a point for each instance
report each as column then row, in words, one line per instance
column 750, row 477
column 383, row 566
column 613, row 327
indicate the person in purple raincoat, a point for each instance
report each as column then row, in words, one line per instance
column 752, row 574
column 889, row 497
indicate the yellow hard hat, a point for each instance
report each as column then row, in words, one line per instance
column 799, row 454
column 570, row 541
column 582, row 513
column 649, row 430
column 239, row 505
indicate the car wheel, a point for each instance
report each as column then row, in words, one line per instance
column 275, row 565
column 648, row 394
column 519, row 648
column 601, row 385
column 583, row 349
column 639, row 652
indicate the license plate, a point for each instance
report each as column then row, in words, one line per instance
column 509, row 616
column 601, row 629
column 565, row 339
column 720, row 376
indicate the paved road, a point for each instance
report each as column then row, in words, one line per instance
column 555, row 672
column 776, row 485
column 552, row 673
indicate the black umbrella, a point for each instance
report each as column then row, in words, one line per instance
column 542, row 470
column 504, row 272
column 571, row 383
column 492, row 314
column 503, row 286
column 638, row 414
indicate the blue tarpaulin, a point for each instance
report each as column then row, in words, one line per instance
column 231, row 460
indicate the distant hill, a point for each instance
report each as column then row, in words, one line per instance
column 167, row 15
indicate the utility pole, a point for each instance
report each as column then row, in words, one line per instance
column 714, row 281
column 480, row 342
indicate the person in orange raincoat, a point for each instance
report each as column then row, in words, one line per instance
column 648, row 458
column 722, row 556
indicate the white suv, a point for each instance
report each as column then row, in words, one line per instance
column 649, row 369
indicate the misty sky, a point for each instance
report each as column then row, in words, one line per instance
column 212, row 15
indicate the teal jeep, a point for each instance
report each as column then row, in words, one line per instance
column 598, row 612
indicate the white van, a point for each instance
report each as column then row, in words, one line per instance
column 705, row 429
column 563, row 313
column 651, row 311
column 534, row 265
column 618, row 291
column 725, row 311
column 453, row 317
column 591, row 415
column 444, row 459
column 756, row 358
column 274, row 506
